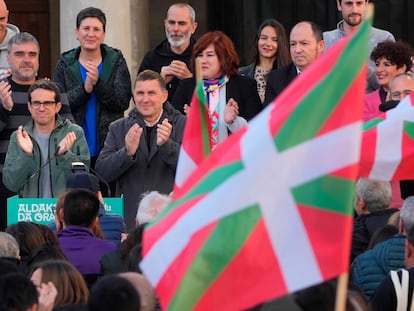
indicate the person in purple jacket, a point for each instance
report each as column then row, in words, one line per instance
column 77, row 240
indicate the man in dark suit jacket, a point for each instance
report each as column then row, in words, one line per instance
column 306, row 44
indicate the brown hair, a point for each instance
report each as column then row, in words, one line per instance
column 70, row 285
column 282, row 54
column 224, row 48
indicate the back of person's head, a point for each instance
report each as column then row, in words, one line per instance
column 83, row 181
column 407, row 214
column 70, row 285
column 382, row 234
column 150, row 75
column 134, row 238
column 9, row 265
column 8, row 245
column 17, row 293
column 47, row 233
column 47, row 251
column 224, row 48
column 91, row 12
column 130, row 263
column 44, row 84
column 80, row 208
column 397, row 53
column 151, row 205
column 144, row 288
column 375, row 193
column 28, row 235
column 22, row 37
column 394, row 219
column 113, row 292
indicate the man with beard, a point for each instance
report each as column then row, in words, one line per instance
column 353, row 13
column 171, row 58
column 23, row 58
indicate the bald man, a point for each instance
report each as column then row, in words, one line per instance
column 6, row 32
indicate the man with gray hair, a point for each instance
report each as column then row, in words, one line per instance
column 150, row 206
column 9, row 247
column 171, row 58
column 372, row 201
column 370, row 268
column 23, row 52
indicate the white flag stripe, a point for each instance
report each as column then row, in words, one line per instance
column 295, row 166
column 281, row 220
column 388, row 151
column 286, row 168
column 185, row 167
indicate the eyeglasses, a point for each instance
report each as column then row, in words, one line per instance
column 47, row 104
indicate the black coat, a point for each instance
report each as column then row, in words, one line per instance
column 242, row 89
column 278, row 80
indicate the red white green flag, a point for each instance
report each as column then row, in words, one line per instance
column 387, row 151
column 270, row 210
column 196, row 143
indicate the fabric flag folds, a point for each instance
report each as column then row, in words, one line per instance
column 270, row 210
column 387, row 151
column 196, row 143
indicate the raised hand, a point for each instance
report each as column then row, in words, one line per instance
column 5, row 95
column 24, row 141
column 231, row 111
column 92, row 76
column 163, row 132
column 177, row 69
column 132, row 139
column 47, row 296
column 66, row 143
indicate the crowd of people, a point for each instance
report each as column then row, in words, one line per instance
column 88, row 259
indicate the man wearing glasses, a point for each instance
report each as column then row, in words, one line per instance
column 40, row 154
column 23, row 59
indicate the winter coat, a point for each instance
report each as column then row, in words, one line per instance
column 149, row 169
column 112, row 91
column 24, row 170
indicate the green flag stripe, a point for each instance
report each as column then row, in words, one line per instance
column 409, row 129
column 330, row 89
column 322, row 193
column 204, row 130
column 227, row 238
column 371, row 123
column 212, row 180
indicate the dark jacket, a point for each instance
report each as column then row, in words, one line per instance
column 278, row 80
column 162, row 55
column 112, row 91
column 247, row 71
column 150, row 169
column 370, row 268
column 385, row 298
column 242, row 89
column 365, row 226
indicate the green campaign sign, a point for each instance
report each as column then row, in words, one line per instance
column 41, row 210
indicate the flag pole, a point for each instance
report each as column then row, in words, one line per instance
column 341, row 292
column 198, row 73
